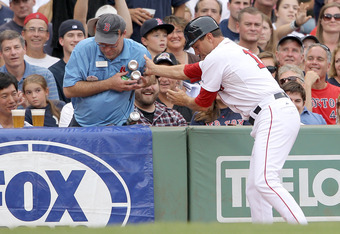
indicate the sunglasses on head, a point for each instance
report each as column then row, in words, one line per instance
column 289, row 78
column 328, row 17
column 271, row 69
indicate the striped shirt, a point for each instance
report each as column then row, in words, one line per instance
column 32, row 69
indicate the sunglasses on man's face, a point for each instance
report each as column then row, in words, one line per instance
column 289, row 78
column 328, row 17
column 271, row 69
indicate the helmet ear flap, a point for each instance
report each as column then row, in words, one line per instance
column 197, row 28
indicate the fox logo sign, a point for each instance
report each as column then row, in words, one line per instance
column 40, row 186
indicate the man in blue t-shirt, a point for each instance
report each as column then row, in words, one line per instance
column 21, row 9
column 6, row 14
column 94, row 79
column 228, row 26
column 12, row 51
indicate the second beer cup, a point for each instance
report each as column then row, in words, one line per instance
column 38, row 116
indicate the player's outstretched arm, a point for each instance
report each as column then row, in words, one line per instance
column 174, row 72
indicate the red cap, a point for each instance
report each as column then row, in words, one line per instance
column 37, row 15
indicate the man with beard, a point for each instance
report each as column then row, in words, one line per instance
column 153, row 113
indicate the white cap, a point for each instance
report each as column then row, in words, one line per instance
column 106, row 9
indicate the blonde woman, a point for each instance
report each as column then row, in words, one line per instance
column 328, row 28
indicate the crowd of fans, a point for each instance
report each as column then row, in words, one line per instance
column 75, row 62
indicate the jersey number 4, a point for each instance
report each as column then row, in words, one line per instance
column 258, row 61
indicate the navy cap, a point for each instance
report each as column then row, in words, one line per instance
column 311, row 37
column 69, row 25
column 165, row 57
column 155, row 23
column 290, row 37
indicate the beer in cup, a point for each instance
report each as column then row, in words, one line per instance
column 38, row 116
column 18, row 117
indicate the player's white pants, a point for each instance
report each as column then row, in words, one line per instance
column 275, row 130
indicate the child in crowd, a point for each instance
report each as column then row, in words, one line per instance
column 297, row 94
column 154, row 33
column 36, row 92
column 218, row 114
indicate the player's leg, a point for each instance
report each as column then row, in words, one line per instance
column 275, row 132
column 261, row 210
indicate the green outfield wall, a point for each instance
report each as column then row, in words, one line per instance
column 170, row 173
column 200, row 173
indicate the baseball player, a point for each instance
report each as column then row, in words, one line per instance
column 247, row 87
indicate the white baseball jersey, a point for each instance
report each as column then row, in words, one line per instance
column 244, row 87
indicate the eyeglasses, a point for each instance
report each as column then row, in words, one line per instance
column 290, row 78
column 328, row 17
column 178, row 32
column 33, row 30
column 271, row 69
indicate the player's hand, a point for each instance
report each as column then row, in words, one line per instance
column 139, row 15
column 301, row 15
column 150, row 66
column 310, row 78
column 143, row 82
column 178, row 97
column 116, row 82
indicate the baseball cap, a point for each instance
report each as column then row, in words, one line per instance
column 290, row 37
column 106, row 9
column 108, row 26
column 155, row 23
column 165, row 57
column 36, row 15
column 316, row 40
column 69, row 25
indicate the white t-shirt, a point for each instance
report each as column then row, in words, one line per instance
column 240, row 76
column 44, row 62
column 66, row 115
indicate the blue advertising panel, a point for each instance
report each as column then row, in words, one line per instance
column 76, row 176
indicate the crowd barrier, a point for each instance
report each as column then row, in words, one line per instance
column 120, row 175
column 218, row 168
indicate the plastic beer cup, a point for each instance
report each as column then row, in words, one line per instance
column 38, row 116
column 18, row 117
